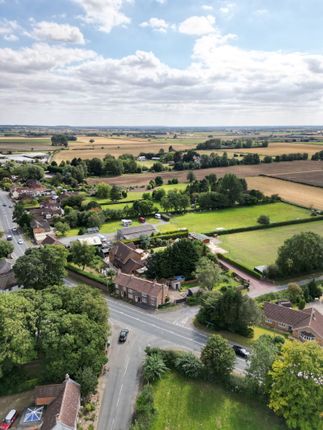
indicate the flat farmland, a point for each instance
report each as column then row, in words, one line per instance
column 279, row 148
column 304, row 195
column 314, row 177
column 25, row 144
column 255, row 248
column 142, row 179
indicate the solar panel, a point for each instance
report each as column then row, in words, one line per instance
column 33, row 414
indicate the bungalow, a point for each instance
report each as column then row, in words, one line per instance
column 126, row 257
column 306, row 324
column 141, row 290
column 130, row 233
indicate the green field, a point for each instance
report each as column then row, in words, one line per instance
column 194, row 405
column 26, row 140
column 204, row 222
column 260, row 247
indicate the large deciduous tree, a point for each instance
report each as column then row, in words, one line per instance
column 41, row 267
column 229, row 310
column 207, row 273
column 302, row 253
column 82, row 254
column 297, row 385
column 6, row 248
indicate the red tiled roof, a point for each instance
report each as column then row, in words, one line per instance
column 152, row 288
column 285, row 315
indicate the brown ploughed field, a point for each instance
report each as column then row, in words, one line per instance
column 300, row 194
column 141, row 179
column 279, row 148
column 312, row 177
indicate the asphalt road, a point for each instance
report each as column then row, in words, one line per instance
column 163, row 329
column 6, row 225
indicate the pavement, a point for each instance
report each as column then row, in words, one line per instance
column 173, row 329
column 6, row 225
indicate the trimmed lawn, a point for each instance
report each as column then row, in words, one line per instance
column 205, row 222
column 195, row 405
column 254, row 248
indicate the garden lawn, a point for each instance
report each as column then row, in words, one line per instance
column 254, row 248
column 194, row 405
column 206, row 222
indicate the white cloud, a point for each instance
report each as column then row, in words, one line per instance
column 106, row 14
column 224, row 85
column 10, row 37
column 197, row 25
column 53, row 31
column 228, row 9
column 207, row 7
column 161, row 1
column 9, row 30
column 261, row 12
column 157, row 24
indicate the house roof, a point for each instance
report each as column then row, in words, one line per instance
column 152, row 288
column 285, row 315
column 50, row 240
column 126, row 257
column 64, row 408
column 136, row 231
column 314, row 322
column 5, row 266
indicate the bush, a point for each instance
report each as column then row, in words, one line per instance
column 189, row 365
column 154, row 367
column 263, row 220
column 145, row 410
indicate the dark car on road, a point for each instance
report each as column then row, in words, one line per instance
column 123, row 335
column 241, row 352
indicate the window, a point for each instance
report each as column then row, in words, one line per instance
column 307, row 336
column 283, row 325
column 144, row 299
column 269, row 321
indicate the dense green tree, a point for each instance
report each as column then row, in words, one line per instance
column 218, row 357
column 103, row 191
column 95, row 167
column 207, row 273
column 30, row 171
column 302, row 253
column 59, row 140
column 178, row 259
column 296, row 392
column 45, row 267
column 158, row 194
column 116, row 193
column 191, row 177
column 6, row 248
column 263, row 220
column 113, row 167
column 295, row 293
column 17, row 334
column 231, row 186
column 159, row 181
column 143, row 207
column 82, row 254
column 154, row 367
column 229, row 310
column 62, row 227
column 264, row 351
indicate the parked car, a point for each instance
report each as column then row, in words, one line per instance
column 241, row 352
column 157, row 216
column 142, row 219
column 9, row 237
column 9, row 420
column 14, row 229
column 20, row 242
column 123, row 335
column 4, row 205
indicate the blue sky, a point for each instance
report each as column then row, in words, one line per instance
column 161, row 62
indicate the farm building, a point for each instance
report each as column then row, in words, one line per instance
column 130, row 233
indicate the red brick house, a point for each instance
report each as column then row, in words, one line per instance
column 306, row 324
column 126, row 257
column 139, row 290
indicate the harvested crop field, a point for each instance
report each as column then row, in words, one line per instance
column 312, row 177
column 25, row 144
column 279, row 148
column 142, row 179
column 300, row 194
